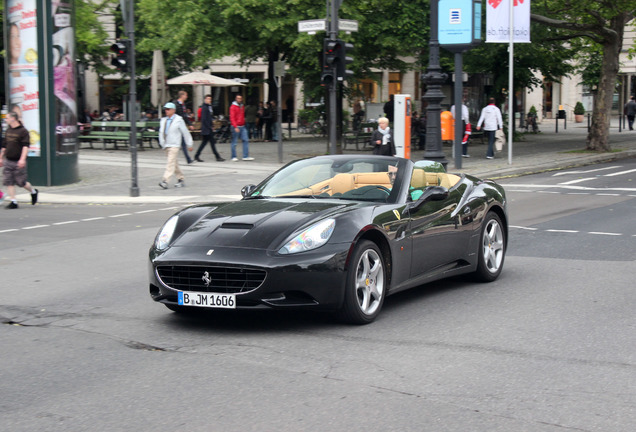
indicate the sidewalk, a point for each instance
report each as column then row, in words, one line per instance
column 105, row 175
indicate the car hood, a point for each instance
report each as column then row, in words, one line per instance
column 257, row 223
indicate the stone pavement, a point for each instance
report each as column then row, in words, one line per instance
column 105, row 175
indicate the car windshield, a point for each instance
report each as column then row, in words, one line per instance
column 369, row 178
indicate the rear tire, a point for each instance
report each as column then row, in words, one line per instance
column 492, row 249
column 366, row 284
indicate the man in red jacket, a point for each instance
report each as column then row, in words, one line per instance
column 237, row 120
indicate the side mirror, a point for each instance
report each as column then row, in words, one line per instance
column 431, row 193
column 247, row 190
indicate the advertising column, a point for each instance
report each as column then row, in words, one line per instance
column 41, row 85
column 23, row 95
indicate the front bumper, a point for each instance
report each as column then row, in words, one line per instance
column 314, row 279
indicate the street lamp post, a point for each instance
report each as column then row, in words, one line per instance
column 434, row 78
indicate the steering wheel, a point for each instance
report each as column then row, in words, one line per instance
column 364, row 190
column 384, row 188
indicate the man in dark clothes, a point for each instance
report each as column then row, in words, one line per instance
column 207, row 130
column 13, row 158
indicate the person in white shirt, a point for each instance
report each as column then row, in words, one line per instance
column 492, row 121
column 172, row 130
column 465, row 128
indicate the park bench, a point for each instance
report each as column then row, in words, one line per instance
column 361, row 135
column 118, row 133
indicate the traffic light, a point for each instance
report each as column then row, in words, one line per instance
column 343, row 53
column 328, row 62
column 120, row 60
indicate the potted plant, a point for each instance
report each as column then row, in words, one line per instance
column 579, row 112
column 531, row 120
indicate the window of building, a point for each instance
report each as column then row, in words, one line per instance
column 367, row 89
column 395, row 83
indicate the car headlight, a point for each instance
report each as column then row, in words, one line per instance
column 313, row 237
column 165, row 235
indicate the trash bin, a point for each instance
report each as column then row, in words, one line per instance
column 448, row 126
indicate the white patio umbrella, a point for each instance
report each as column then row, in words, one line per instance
column 202, row 78
column 158, row 88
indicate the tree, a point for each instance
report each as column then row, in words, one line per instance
column 196, row 32
column 549, row 57
column 592, row 24
column 90, row 34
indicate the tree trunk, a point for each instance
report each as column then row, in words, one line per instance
column 272, row 94
column 598, row 137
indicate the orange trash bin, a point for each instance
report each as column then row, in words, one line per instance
column 448, row 126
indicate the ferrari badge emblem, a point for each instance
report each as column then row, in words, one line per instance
column 207, row 280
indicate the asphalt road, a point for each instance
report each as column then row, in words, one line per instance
column 549, row 346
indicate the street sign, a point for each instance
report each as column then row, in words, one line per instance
column 312, row 26
column 279, row 68
column 459, row 24
column 347, row 25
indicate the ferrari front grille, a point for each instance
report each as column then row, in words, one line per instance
column 216, row 279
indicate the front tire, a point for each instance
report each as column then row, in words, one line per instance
column 366, row 285
column 492, row 249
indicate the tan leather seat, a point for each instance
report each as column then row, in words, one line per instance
column 373, row 178
column 342, row 183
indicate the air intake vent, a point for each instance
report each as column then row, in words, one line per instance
column 216, row 279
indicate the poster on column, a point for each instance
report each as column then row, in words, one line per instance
column 22, row 60
column 64, row 84
column 498, row 21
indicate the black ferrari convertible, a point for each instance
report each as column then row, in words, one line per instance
column 331, row 232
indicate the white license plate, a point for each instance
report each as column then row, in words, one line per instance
column 210, row 300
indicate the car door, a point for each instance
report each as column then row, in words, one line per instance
column 439, row 239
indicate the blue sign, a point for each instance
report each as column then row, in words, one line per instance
column 459, row 23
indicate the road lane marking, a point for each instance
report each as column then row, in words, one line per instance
column 619, row 173
column 568, row 187
column 585, row 172
column 86, row 220
column 552, row 230
column 578, row 180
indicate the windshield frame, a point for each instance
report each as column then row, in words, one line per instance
column 304, row 176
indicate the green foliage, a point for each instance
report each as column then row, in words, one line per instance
column 596, row 29
column 579, row 109
column 308, row 115
column 196, row 32
column 90, row 34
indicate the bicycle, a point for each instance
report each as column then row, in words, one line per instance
column 304, row 126
column 318, row 129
